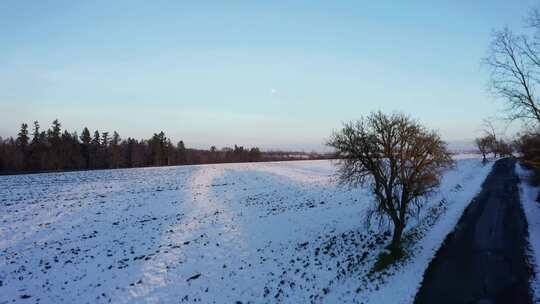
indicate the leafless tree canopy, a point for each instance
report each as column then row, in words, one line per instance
column 529, row 147
column 491, row 142
column 401, row 161
column 514, row 64
column 484, row 145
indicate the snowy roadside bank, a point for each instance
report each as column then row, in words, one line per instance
column 531, row 207
column 400, row 283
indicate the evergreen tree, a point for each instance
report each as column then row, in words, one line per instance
column 95, row 149
column 37, row 157
column 116, row 155
column 53, row 137
column 54, row 132
column 182, row 153
column 67, row 152
column 105, row 153
column 86, row 139
column 85, row 136
column 96, row 140
column 23, row 139
column 104, row 139
column 36, row 133
column 22, row 146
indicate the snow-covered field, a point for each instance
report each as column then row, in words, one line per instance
column 249, row 233
column 531, row 209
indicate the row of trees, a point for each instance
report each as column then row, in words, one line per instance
column 56, row 149
column 514, row 64
column 490, row 143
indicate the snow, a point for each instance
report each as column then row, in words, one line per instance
column 253, row 232
column 531, row 209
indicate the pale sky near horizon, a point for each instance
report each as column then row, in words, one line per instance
column 264, row 73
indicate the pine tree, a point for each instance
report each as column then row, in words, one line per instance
column 37, row 157
column 36, row 133
column 182, row 153
column 95, row 149
column 55, row 149
column 105, row 139
column 105, row 153
column 155, row 150
column 162, row 149
column 54, row 132
column 23, row 139
column 22, row 147
column 67, row 150
column 116, row 155
column 86, row 139
column 169, row 155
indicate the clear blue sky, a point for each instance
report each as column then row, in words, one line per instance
column 266, row 73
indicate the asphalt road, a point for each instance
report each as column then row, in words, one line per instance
column 483, row 260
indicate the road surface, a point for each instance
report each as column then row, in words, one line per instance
column 483, row 260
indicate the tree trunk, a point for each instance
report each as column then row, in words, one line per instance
column 395, row 246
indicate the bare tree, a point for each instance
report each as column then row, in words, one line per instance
column 528, row 144
column 514, row 64
column 503, row 148
column 492, row 141
column 489, row 128
column 484, row 145
column 401, row 160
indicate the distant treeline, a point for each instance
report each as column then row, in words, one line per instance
column 57, row 150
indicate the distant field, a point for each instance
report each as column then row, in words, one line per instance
column 253, row 232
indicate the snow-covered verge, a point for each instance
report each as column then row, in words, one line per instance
column 400, row 283
column 531, row 208
column 249, row 233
